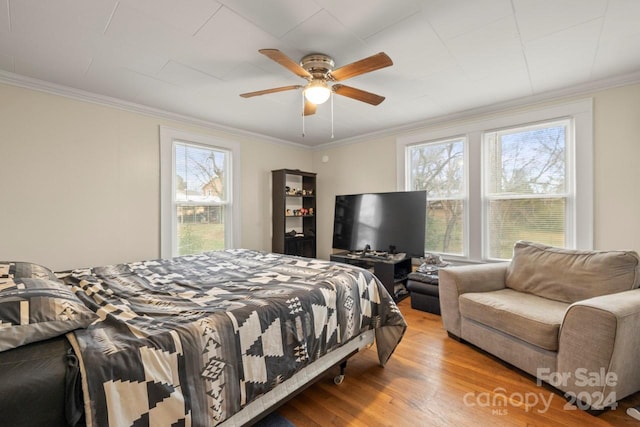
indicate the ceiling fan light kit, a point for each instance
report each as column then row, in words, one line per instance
column 317, row 92
column 317, row 69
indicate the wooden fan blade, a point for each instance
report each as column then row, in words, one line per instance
column 358, row 94
column 286, row 62
column 366, row 65
column 309, row 108
column 267, row 91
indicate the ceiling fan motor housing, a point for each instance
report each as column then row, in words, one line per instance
column 317, row 64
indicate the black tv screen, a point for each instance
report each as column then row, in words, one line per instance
column 386, row 222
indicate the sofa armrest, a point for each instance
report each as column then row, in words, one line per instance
column 599, row 348
column 455, row 281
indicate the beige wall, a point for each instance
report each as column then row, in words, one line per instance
column 80, row 182
column 371, row 166
column 617, row 170
column 350, row 169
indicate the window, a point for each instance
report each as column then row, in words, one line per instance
column 198, row 183
column 526, row 175
column 527, row 187
column 438, row 168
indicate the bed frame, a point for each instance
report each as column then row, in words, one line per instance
column 271, row 400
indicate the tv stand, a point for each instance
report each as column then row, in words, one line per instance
column 391, row 272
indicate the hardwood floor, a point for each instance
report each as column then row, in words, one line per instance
column 433, row 380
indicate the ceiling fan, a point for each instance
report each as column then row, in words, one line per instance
column 317, row 69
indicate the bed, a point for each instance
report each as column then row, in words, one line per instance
column 218, row 338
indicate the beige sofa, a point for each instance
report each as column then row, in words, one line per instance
column 570, row 318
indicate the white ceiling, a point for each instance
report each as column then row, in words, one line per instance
column 194, row 57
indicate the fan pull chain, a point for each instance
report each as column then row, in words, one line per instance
column 331, row 114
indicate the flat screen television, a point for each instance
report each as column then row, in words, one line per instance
column 385, row 222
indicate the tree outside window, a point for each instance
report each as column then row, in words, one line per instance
column 200, row 197
column 526, row 189
column 438, row 167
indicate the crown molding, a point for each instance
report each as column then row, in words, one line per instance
column 94, row 98
column 549, row 96
column 86, row 96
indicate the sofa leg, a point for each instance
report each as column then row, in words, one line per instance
column 454, row 337
column 597, row 412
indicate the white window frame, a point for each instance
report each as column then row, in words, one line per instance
column 168, row 218
column 580, row 165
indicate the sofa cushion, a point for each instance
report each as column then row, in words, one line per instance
column 570, row 275
column 528, row 317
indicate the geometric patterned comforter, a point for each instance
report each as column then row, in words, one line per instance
column 191, row 340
